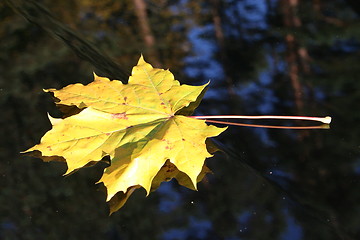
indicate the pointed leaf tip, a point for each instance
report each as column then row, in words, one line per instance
column 99, row 79
column 49, row 90
column 141, row 60
column 54, row 121
column 95, row 75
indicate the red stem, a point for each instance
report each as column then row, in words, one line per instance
column 324, row 126
column 325, row 120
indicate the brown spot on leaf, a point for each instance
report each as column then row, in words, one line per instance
column 183, row 139
column 162, row 103
column 107, row 134
column 119, row 115
column 125, row 98
column 49, row 148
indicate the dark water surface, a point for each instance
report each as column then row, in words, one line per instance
column 271, row 59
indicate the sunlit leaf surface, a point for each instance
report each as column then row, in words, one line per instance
column 137, row 125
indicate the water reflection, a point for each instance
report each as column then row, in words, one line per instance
column 269, row 184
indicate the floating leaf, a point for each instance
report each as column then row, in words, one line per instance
column 141, row 125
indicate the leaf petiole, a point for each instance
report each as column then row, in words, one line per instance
column 325, row 120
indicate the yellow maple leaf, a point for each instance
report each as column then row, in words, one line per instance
column 137, row 124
